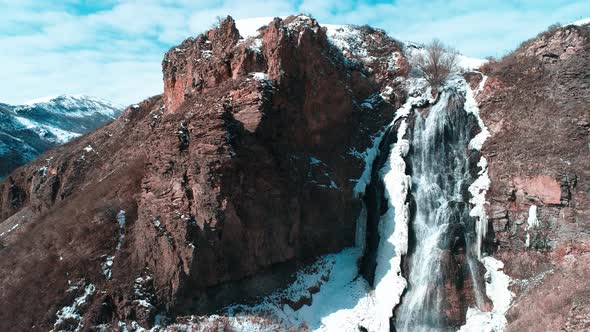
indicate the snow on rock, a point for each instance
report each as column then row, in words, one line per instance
column 369, row 156
column 471, row 107
column 581, row 22
column 481, row 185
column 256, row 45
column 143, row 297
column 348, row 39
column 497, row 283
column 259, row 76
column 392, row 62
column 107, row 267
column 121, row 220
column 478, row 190
column 387, row 93
column 532, row 220
column 481, row 85
column 70, row 318
column 249, row 27
column 10, row 230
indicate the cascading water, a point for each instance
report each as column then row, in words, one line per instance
column 442, row 260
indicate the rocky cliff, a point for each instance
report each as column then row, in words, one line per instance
column 535, row 102
column 246, row 165
column 251, row 165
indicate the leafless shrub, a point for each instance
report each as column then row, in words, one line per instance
column 217, row 23
column 554, row 27
column 435, row 63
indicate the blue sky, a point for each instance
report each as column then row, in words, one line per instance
column 113, row 48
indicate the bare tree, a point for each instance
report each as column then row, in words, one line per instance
column 435, row 62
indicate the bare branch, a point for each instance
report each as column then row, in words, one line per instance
column 436, row 62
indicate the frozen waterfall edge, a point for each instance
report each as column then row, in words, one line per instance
column 497, row 282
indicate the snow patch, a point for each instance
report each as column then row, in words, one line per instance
column 348, row 39
column 10, row 230
column 72, row 314
column 121, row 220
column 393, row 231
column 369, row 156
column 497, row 283
column 256, row 45
column 532, row 220
column 581, row 22
column 478, row 190
column 471, row 107
column 107, row 267
column 482, row 84
column 259, row 76
column 481, row 185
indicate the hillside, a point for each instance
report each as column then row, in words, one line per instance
column 302, row 177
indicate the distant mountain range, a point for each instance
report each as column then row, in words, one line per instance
column 26, row 131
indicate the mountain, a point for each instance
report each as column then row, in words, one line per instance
column 29, row 130
column 301, row 177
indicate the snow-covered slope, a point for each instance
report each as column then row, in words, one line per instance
column 28, row 130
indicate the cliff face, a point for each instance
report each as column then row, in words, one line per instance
column 247, row 164
column 535, row 103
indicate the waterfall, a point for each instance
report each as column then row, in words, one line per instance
column 443, row 256
column 416, row 265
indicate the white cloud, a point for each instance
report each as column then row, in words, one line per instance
column 113, row 49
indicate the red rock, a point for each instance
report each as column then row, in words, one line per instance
column 214, row 177
column 544, row 187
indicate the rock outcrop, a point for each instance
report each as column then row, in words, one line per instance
column 249, row 165
column 535, row 102
column 245, row 166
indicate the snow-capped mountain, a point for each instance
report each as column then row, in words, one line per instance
column 28, row 130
